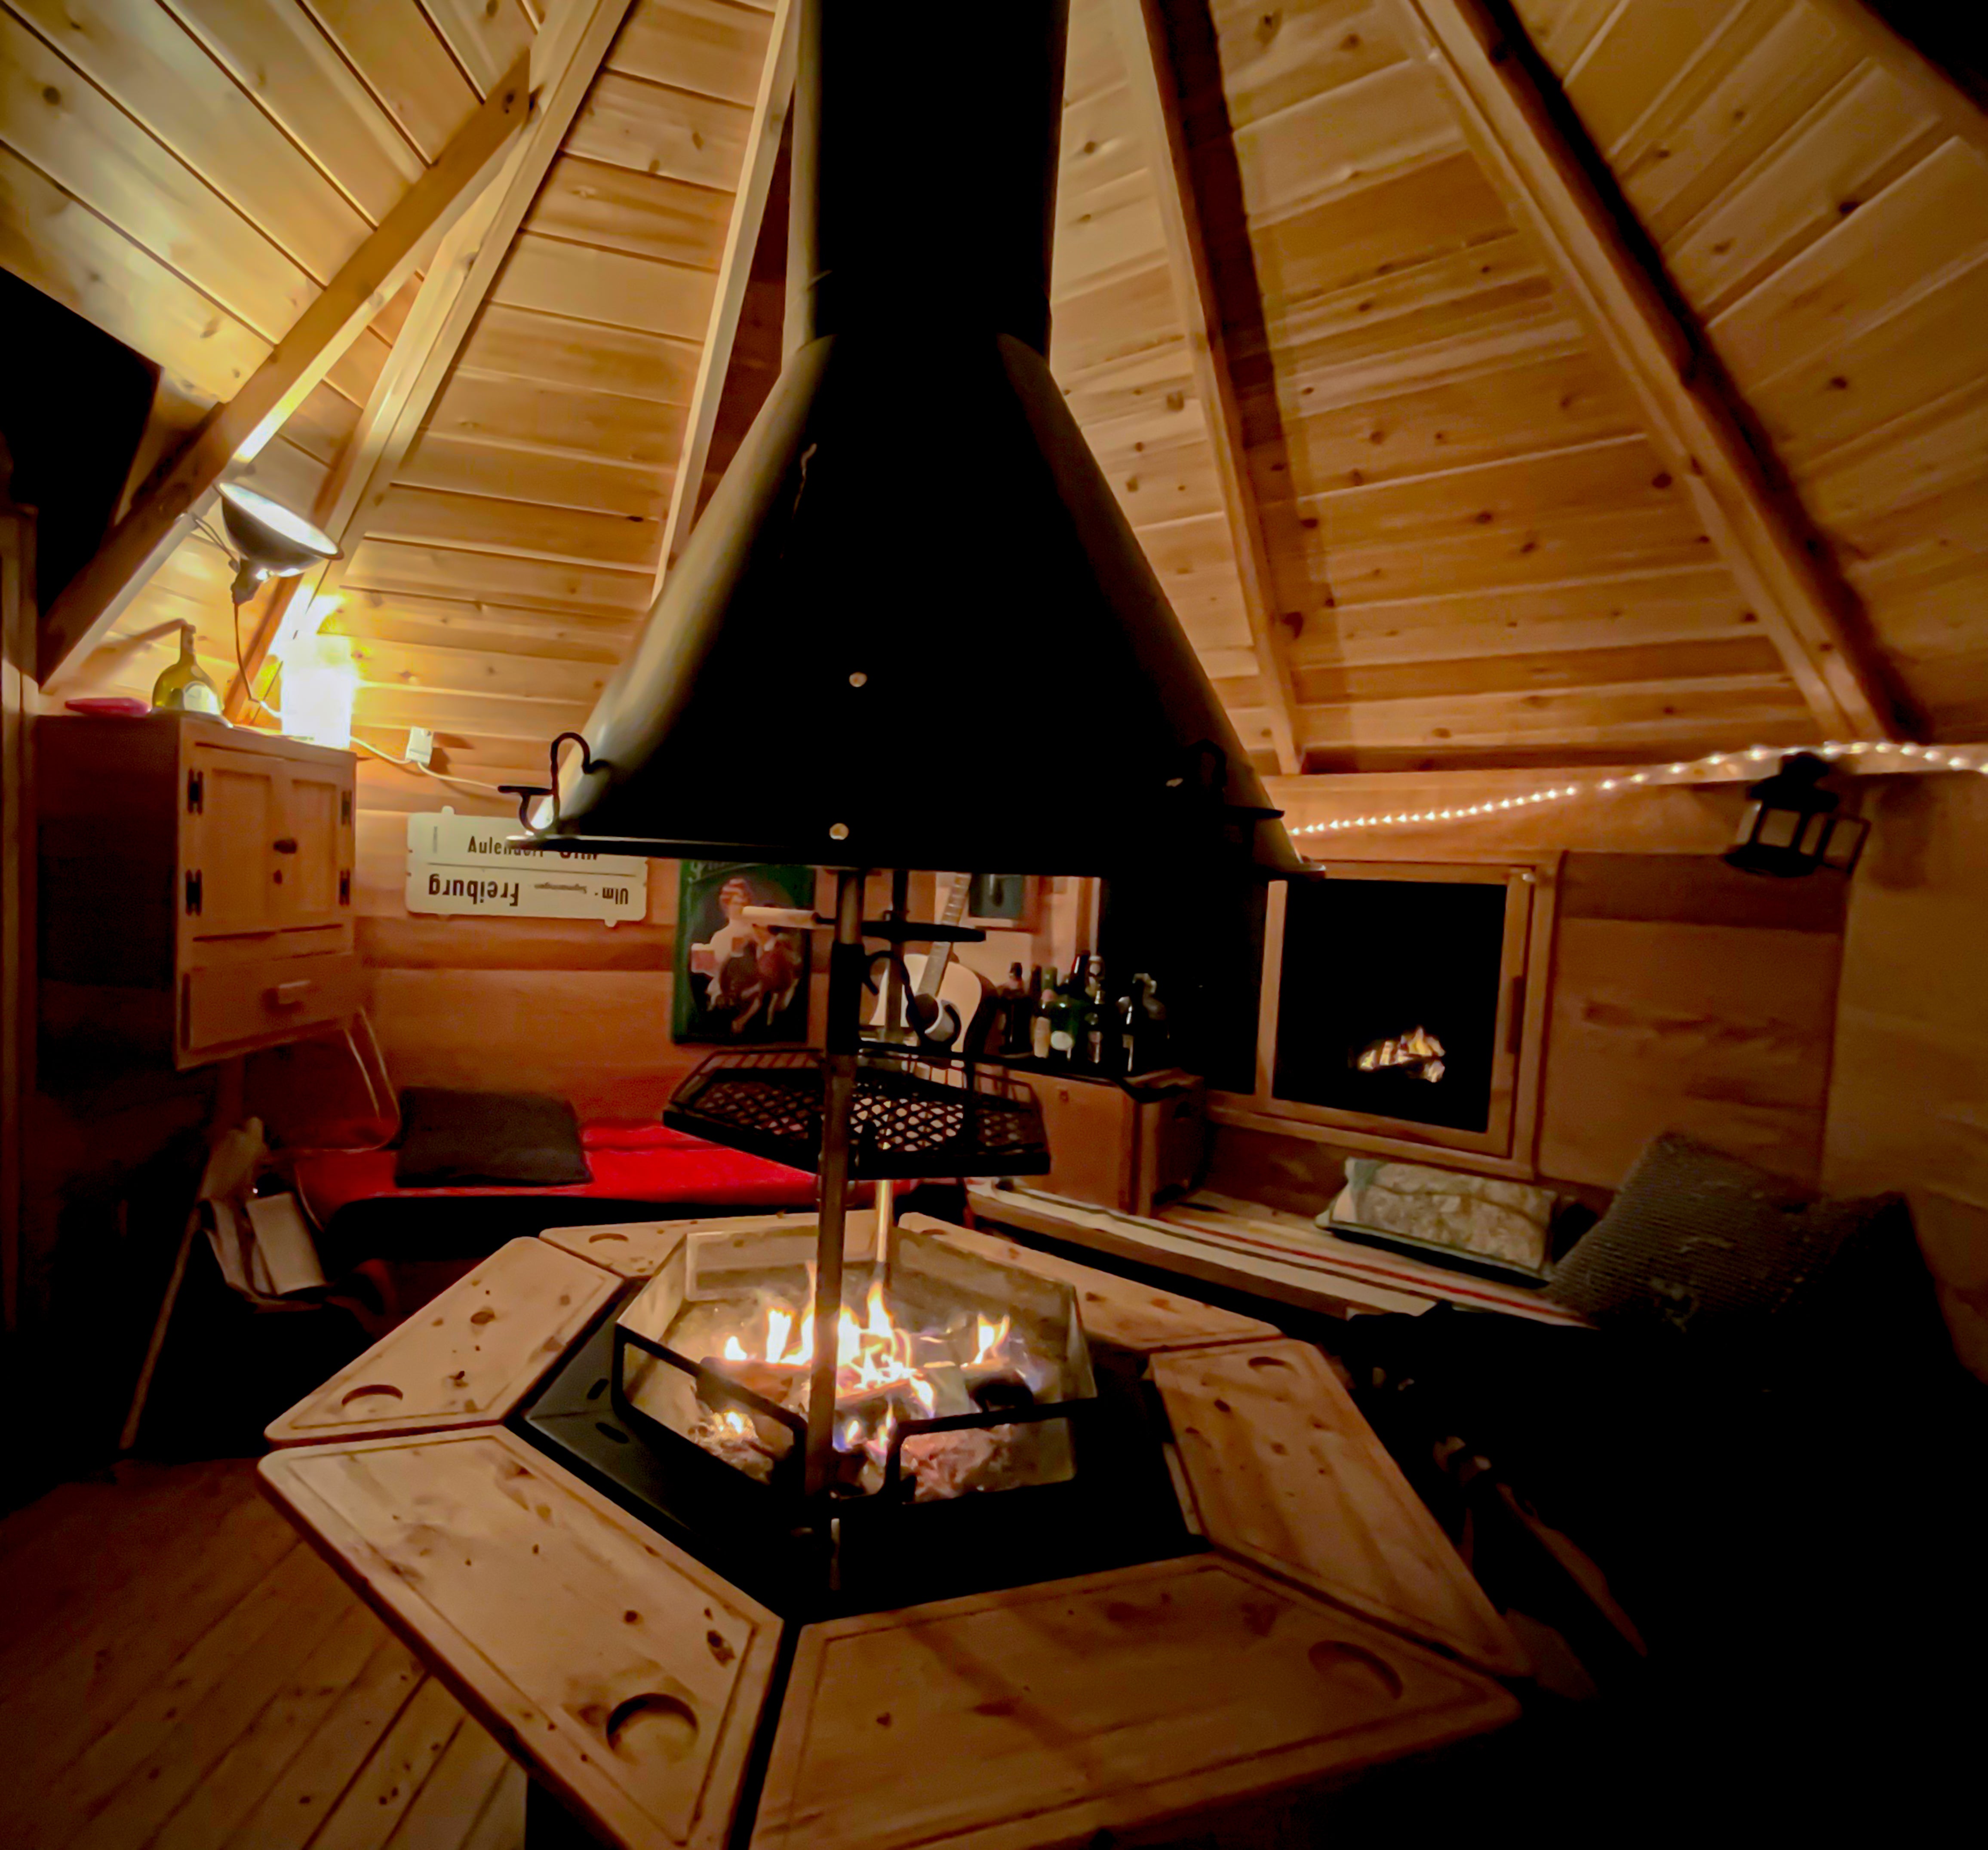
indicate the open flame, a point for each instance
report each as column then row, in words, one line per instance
column 878, row 1383
column 1418, row 1049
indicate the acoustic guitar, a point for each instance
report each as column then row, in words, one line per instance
column 943, row 999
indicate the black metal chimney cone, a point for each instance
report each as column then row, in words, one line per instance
column 912, row 628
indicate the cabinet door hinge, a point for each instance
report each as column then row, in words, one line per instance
column 345, row 806
column 196, row 792
column 192, row 891
column 345, row 886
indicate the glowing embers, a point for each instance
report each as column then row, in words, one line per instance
column 1419, row 1051
column 953, row 1374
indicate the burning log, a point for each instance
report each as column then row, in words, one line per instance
column 1418, row 1049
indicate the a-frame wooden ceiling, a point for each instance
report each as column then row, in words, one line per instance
column 1596, row 380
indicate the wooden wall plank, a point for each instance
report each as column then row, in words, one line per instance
column 1911, row 1066
column 1718, row 1030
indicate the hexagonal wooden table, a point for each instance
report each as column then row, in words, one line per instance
column 1329, row 1626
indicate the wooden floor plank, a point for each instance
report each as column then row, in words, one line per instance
column 71, row 1789
column 453, row 1796
column 255, row 1761
column 205, row 1731
column 501, row 1825
column 293, row 1809
column 111, row 1533
column 388, row 1784
column 133, row 1644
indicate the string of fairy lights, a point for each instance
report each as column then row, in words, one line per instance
column 1930, row 758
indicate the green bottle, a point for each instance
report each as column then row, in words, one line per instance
column 184, row 687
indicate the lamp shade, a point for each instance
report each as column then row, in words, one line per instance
column 266, row 534
column 1792, row 826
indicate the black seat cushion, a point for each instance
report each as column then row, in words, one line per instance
column 487, row 1139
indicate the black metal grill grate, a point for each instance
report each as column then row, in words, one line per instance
column 913, row 1118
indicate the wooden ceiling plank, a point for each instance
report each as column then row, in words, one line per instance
column 236, row 431
column 483, row 35
column 275, row 52
column 710, row 46
column 1860, row 22
column 53, row 115
column 402, row 59
column 735, row 271
column 1141, row 30
column 565, row 58
column 50, row 238
column 1693, row 415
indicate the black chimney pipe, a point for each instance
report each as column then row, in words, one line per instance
column 913, row 628
column 925, row 166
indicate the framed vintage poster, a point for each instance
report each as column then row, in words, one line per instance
column 737, row 979
column 1005, row 902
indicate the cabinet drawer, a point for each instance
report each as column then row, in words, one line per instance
column 268, row 999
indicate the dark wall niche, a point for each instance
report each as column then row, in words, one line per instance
column 73, row 405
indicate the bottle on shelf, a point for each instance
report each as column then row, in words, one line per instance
column 1067, row 1026
column 1154, row 1048
column 1041, row 1030
column 1011, row 998
column 1130, row 1019
column 184, row 687
column 1095, row 1021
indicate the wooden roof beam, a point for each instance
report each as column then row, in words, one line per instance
column 1142, row 32
column 236, row 431
column 1551, row 173
column 741, row 237
column 566, row 57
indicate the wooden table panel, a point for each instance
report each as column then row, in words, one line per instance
column 1115, row 1310
column 629, row 1677
column 1061, row 1714
column 466, row 1359
column 639, row 1249
column 1286, row 1473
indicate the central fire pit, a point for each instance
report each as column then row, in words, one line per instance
column 959, row 1375
column 983, row 1439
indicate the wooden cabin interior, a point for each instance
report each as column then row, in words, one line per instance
column 1509, row 1238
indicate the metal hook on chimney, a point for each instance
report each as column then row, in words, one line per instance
column 527, row 793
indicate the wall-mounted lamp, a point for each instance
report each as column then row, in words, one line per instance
column 1791, row 826
column 320, row 682
column 267, row 540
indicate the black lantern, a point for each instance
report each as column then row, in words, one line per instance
column 1792, row 825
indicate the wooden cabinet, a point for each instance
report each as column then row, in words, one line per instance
column 1121, row 1144
column 196, row 887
